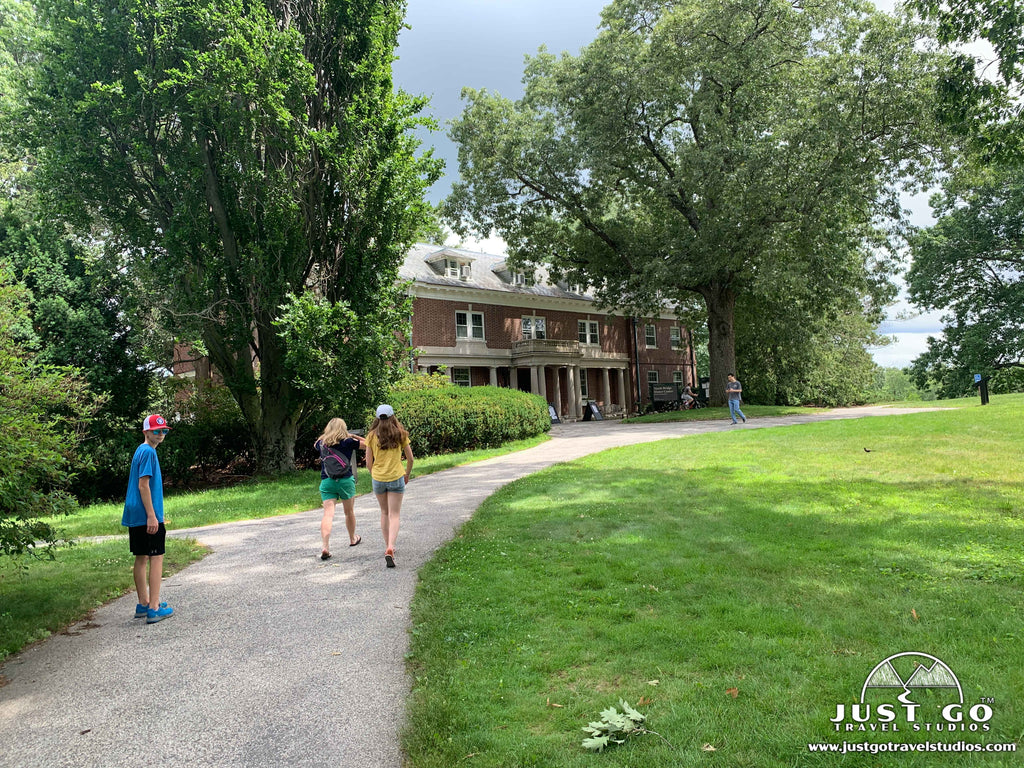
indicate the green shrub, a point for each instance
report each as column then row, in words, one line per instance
column 450, row 419
column 207, row 435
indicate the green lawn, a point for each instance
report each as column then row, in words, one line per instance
column 44, row 596
column 735, row 588
column 296, row 492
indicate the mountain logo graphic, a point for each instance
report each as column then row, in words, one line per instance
column 929, row 672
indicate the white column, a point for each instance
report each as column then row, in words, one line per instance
column 542, row 381
column 513, row 377
column 577, row 392
column 624, row 404
column 533, row 380
column 558, row 391
column 494, row 376
column 606, row 391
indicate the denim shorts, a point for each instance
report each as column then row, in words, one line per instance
column 389, row 486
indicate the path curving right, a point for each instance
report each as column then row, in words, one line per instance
column 274, row 658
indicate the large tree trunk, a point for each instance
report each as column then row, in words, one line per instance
column 720, row 300
column 279, row 405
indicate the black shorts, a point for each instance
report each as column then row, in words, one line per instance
column 144, row 544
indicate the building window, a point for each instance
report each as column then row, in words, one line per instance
column 453, row 268
column 521, row 278
column 676, row 337
column 460, row 377
column 584, row 388
column 652, row 377
column 587, row 331
column 534, row 327
column 677, row 377
column 651, row 335
column 469, row 325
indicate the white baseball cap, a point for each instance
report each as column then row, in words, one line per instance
column 385, row 411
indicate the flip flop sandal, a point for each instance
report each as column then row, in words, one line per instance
column 357, row 542
column 325, row 555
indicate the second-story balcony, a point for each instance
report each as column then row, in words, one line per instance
column 548, row 348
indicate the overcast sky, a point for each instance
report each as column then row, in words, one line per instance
column 452, row 44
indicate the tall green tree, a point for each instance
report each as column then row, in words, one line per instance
column 722, row 149
column 237, row 154
column 970, row 264
column 44, row 411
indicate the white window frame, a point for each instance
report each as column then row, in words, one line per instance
column 462, row 377
column 533, row 321
column 652, row 377
column 458, row 270
column 677, row 377
column 588, row 332
column 675, row 334
column 651, row 336
column 467, row 330
column 519, row 278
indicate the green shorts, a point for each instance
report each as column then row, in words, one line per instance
column 345, row 488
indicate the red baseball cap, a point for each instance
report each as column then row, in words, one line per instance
column 156, row 421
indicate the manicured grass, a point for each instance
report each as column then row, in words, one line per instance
column 263, row 497
column 43, row 596
column 715, row 414
column 733, row 587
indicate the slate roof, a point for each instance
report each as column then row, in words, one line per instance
column 487, row 273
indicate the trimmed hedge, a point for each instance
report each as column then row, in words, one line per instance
column 453, row 419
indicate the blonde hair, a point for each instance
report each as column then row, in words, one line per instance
column 335, row 431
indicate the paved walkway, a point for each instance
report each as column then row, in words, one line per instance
column 274, row 658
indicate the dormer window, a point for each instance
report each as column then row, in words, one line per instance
column 452, row 265
column 519, row 278
column 459, row 271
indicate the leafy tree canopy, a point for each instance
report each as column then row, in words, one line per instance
column 235, row 154
column 724, row 150
column 971, row 264
column 44, row 410
column 982, row 101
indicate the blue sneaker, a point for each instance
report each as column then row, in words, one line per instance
column 161, row 613
column 142, row 610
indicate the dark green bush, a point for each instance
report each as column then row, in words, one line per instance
column 452, row 419
column 207, row 436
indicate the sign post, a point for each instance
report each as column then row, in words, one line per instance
column 981, row 382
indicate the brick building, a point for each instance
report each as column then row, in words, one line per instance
column 490, row 325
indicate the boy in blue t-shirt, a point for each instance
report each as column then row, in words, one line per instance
column 144, row 518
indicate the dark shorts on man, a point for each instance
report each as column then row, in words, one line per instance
column 144, row 544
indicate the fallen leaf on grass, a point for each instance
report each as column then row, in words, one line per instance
column 550, row 704
column 643, row 701
column 734, row 692
column 914, row 614
column 653, row 682
column 708, row 748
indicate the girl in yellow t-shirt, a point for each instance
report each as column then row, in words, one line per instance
column 386, row 442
